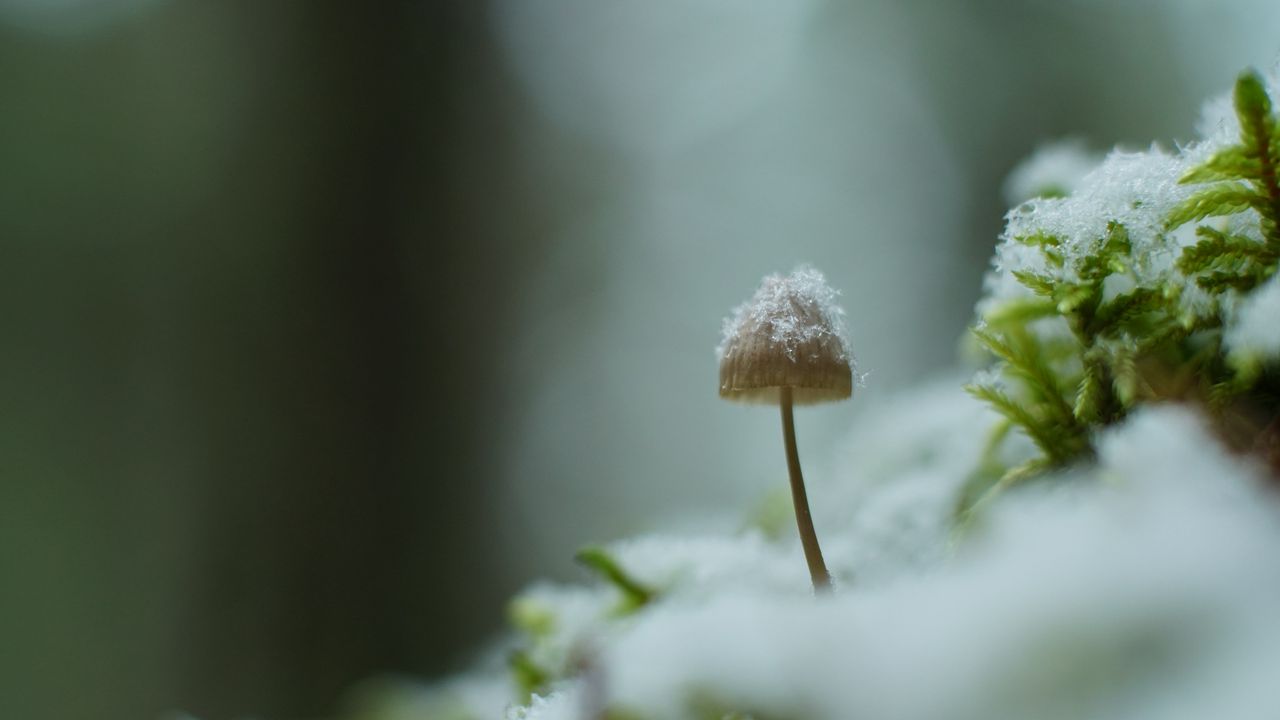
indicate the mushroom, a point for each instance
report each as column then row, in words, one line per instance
column 786, row 346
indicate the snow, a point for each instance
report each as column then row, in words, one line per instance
column 575, row 616
column 1218, row 124
column 563, row 704
column 886, row 506
column 680, row 569
column 1254, row 332
column 1138, row 587
column 686, row 568
column 1124, row 595
column 1137, row 190
column 1055, row 168
column 793, row 311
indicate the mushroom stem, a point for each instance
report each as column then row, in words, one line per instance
column 804, row 521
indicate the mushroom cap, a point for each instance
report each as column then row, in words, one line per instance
column 790, row 334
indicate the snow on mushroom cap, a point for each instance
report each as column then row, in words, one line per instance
column 790, row 333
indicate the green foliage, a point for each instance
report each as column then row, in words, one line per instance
column 531, row 617
column 1239, row 178
column 986, row 476
column 1091, row 341
column 635, row 594
column 1221, row 261
column 1227, row 198
column 1060, row 392
column 1242, row 176
column 529, row 677
column 1044, row 414
column 531, row 670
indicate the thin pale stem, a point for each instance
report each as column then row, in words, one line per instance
column 804, row 521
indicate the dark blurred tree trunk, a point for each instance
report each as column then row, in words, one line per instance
column 248, row 286
column 349, row 534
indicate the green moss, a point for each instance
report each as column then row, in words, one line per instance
column 635, row 594
column 1140, row 345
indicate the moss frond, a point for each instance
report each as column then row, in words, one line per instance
column 635, row 593
column 1242, row 176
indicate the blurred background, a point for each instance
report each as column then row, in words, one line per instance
column 329, row 325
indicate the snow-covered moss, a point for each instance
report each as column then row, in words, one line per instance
column 1120, row 293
